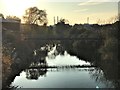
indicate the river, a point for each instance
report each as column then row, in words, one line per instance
column 82, row 77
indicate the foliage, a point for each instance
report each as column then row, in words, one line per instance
column 63, row 21
column 109, row 49
column 13, row 18
column 35, row 16
column 1, row 15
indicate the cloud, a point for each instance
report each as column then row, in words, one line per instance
column 82, row 10
column 93, row 2
column 89, row 3
column 80, row 0
column 102, row 1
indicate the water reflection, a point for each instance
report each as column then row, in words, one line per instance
column 48, row 64
column 98, row 76
column 74, row 78
column 62, row 77
column 35, row 73
column 55, row 58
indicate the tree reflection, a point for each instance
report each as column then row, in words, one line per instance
column 35, row 73
column 25, row 53
column 100, row 75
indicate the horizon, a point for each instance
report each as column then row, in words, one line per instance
column 74, row 12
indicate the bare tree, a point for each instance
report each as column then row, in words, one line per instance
column 108, row 21
column 113, row 19
column 35, row 16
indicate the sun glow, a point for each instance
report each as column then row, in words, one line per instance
column 16, row 7
column 74, row 12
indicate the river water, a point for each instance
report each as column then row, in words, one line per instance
column 81, row 77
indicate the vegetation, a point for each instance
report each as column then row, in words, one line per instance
column 97, row 44
column 13, row 18
column 1, row 15
column 35, row 16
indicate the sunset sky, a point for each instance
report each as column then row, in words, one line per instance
column 75, row 11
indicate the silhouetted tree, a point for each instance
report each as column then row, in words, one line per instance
column 63, row 21
column 13, row 18
column 1, row 15
column 35, row 16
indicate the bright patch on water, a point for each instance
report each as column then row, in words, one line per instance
column 65, row 59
